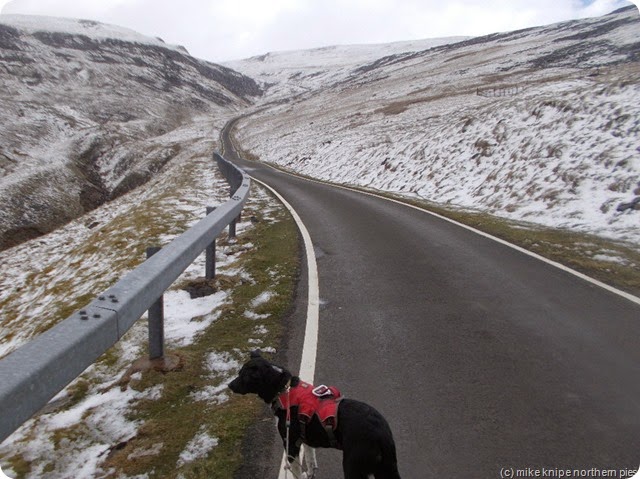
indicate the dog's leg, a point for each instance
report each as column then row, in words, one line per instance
column 310, row 461
column 355, row 462
column 296, row 469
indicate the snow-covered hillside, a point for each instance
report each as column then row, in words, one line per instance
column 285, row 74
column 540, row 125
column 46, row 278
column 95, row 30
column 87, row 114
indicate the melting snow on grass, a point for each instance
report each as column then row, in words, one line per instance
column 186, row 317
column 197, row 448
column 97, row 422
column 221, row 366
column 261, row 299
column 219, row 363
column 91, row 416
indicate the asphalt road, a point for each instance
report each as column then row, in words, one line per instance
column 483, row 359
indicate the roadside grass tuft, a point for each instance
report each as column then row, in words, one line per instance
column 19, row 465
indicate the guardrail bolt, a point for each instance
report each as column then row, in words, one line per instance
column 97, row 316
column 83, row 315
column 102, row 298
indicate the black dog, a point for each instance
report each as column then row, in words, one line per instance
column 358, row 429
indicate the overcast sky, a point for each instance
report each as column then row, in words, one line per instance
column 219, row 30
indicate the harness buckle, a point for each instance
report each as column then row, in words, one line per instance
column 322, row 391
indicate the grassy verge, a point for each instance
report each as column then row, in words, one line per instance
column 170, row 422
column 183, row 407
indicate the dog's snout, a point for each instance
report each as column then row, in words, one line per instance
column 235, row 386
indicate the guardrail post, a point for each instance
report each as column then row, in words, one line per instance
column 210, row 256
column 156, row 320
column 232, row 228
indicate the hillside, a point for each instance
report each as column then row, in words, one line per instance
column 88, row 111
column 540, row 125
column 286, row 74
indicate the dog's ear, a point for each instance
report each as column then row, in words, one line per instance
column 285, row 376
column 256, row 354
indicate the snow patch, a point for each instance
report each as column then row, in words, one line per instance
column 221, row 363
column 197, row 448
column 212, row 394
column 262, row 298
column 185, row 318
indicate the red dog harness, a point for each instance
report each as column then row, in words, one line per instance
column 321, row 401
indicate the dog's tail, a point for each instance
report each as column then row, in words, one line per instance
column 388, row 466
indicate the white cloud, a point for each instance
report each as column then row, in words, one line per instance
column 227, row 29
column 600, row 7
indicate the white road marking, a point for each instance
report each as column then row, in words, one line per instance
column 611, row 289
column 310, row 345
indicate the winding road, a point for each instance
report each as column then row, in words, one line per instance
column 486, row 361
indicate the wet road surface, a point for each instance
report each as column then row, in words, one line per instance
column 484, row 360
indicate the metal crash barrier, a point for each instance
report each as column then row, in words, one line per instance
column 38, row 370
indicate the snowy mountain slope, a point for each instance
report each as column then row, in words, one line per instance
column 533, row 125
column 284, row 74
column 95, row 30
column 87, row 117
column 540, row 125
column 88, row 111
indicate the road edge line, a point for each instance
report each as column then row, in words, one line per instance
column 310, row 344
column 589, row 279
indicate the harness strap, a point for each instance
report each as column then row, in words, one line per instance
column 329, row 428
column 323, row 405
column 288, row 425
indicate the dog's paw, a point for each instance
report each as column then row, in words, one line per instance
column 310, row 475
